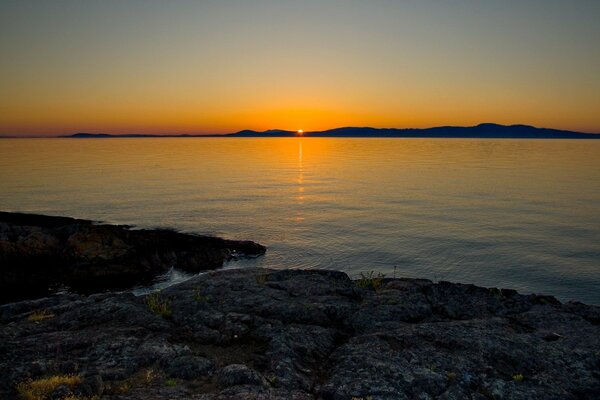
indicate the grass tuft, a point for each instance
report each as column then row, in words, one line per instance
column 518, row 377
column 170, row 383
column 370, row 280
column 41, row 389
column 200, row 297
column 158, row 305
column 120, row 388
column 73, row 397
column 272, row 379
column 261, row 279
column 38, row 316
column 148, row 376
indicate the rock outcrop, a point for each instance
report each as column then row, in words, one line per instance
column 39, row 251
column 293, row 334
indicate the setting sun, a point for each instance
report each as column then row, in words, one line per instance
column 300, row 132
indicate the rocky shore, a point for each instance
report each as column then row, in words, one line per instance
column 293, row 334
column 38, row 251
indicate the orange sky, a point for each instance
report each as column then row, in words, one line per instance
column 218, row 67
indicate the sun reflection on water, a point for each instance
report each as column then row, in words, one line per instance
column 300, row 197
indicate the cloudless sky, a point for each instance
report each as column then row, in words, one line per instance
column 222, row 66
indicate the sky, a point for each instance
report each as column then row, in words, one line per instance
column 173, row 67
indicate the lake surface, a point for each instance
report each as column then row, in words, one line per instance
column 522, row 214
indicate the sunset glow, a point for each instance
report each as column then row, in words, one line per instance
column 220, row 67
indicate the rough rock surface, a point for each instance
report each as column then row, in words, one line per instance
column 38, row 251
column 292, row 334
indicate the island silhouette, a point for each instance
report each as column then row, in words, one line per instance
column 483, row 131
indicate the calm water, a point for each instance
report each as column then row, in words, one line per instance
column 523, row 214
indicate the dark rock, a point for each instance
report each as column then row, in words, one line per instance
column 60, row 392
column 188, row 367
column 92, row 386
column 238, row 374
column 38, row 251
column 551, row 337
column 307, row 335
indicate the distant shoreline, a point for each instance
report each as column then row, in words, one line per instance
column 481, row 131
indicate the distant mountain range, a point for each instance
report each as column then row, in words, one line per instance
column 487, row 131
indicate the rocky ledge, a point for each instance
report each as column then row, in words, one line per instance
column 38, row 251
column 292, row 334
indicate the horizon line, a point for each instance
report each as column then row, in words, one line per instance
column 305, row 132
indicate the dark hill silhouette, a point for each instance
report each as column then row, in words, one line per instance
column 268, row 133
column 83, row 135
column 486, row 131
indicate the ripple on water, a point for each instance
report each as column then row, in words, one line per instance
column 509, row 213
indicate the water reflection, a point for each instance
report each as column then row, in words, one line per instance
column 300, row 196
column 523, row 214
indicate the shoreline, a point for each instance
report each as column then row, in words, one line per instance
column 255, row 333
column 38, row 252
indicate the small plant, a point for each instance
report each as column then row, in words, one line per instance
column 38, row 316
column 121, row 388
column 158, row 305
column 370, row 280
column 170, row 382
column 82, row 398
column 41, row 389
column 261, row 279
column 73, row 397
column 149, row 376
column 200, row 297
column 518, row 377
column 272, row 379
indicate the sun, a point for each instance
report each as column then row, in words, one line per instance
column 299, row 132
